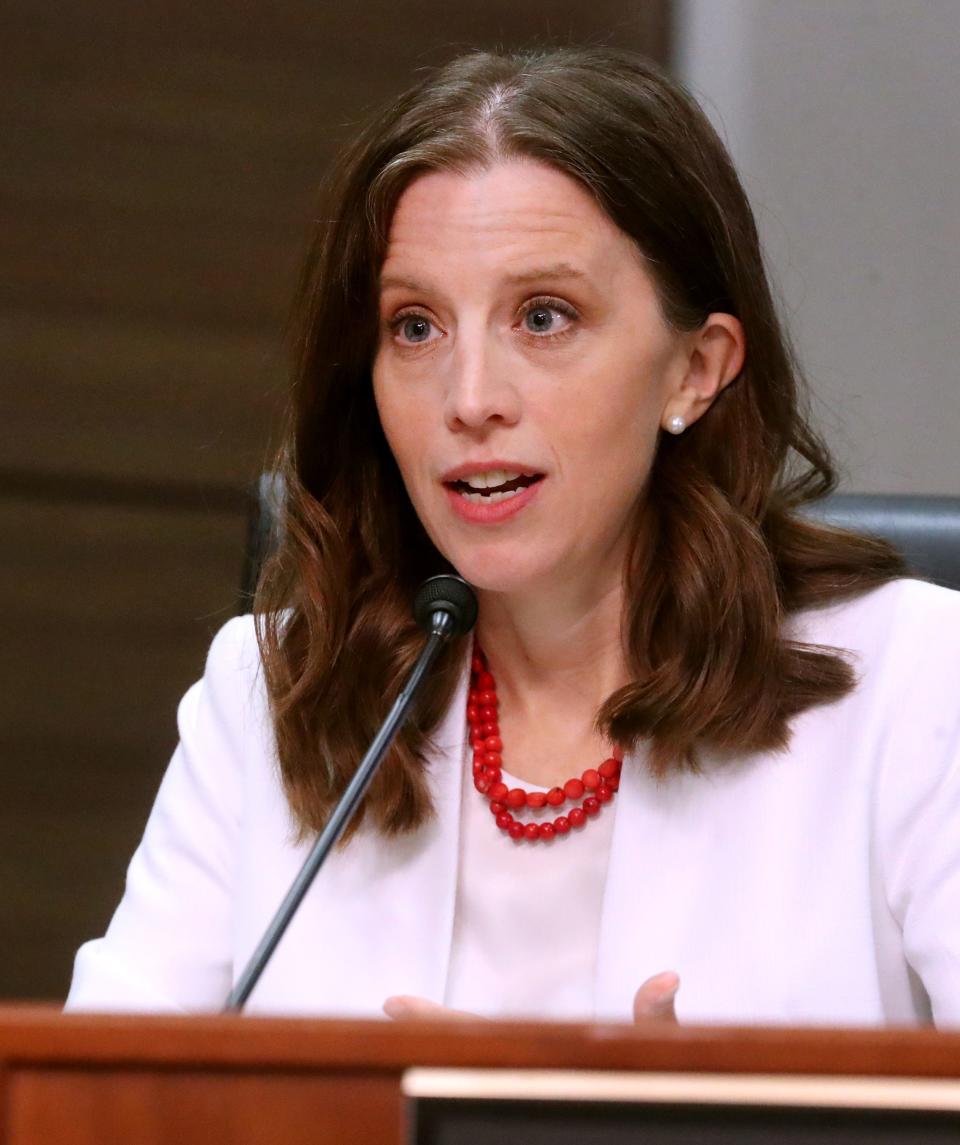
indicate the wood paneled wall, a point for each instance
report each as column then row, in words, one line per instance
column 157, row 167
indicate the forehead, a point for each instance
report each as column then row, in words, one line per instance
column 503, row 216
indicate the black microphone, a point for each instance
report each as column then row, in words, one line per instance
column 444, row 606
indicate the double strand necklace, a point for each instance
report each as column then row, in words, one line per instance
column 598, row 784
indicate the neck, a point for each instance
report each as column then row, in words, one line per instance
column 562, row 648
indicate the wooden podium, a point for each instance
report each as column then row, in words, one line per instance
column 127, row 1080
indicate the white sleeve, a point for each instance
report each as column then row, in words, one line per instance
column 169, row 944
column 919, row 801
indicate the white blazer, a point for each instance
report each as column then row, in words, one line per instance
column 817, row 885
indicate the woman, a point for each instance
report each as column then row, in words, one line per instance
column 697, row 742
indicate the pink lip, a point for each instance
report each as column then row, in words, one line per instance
column 469, row 468
column 482, row 514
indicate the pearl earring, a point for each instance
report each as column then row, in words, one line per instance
column 676, row 424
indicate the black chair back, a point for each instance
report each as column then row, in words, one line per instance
column 264, row 530
column 926, row 529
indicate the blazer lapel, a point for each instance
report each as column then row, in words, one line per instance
column 379, row 918
column 652, row 857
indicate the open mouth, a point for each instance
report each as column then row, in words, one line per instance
column 489, row 488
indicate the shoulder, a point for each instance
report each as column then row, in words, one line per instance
column 232, row 690
column 234, row 647
column 906, row 619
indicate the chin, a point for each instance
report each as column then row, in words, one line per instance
column 501, row 569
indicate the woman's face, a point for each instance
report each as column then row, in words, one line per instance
column 522, row 374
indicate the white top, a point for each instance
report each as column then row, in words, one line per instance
column 819, row 884
column 527, row 924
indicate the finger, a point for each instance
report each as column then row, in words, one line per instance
column 402, row 1007
column 654, row 1000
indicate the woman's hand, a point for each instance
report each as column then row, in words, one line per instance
column 653, row 1002
column 403, row 1006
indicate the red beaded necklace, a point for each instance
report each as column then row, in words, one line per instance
column 602, row 782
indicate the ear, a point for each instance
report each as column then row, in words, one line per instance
column 714, row 356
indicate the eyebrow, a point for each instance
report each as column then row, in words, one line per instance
column 398, row 282
column 534, row 274
column 551, row 270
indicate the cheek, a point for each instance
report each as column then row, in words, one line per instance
column 392, row 420
column 627, row 467
column 404, row 429
column 618, row 436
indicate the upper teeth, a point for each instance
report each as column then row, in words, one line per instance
column 491, row 479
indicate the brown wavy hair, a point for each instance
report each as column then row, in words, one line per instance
column 720, row 558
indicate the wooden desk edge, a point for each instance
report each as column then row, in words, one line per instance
column 41, row 1035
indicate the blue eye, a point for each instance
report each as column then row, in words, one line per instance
column 415, row 328
column 548, row 317
column 540, row 320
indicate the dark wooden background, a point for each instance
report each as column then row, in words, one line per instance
column 157, row 167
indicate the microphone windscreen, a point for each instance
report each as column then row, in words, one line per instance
column 450, row 594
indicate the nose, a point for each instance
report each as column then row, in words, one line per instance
column 480, row 392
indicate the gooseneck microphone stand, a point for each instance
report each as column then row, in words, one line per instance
column 445, row 606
